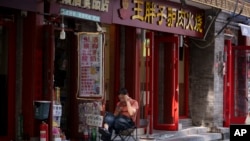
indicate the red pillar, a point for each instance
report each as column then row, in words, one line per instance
column 228, row 84
column 32, row 69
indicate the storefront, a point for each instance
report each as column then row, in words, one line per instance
column 145, row 50
column 140, row 45
column 75, row 41
column 157, row 58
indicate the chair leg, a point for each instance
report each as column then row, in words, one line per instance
column 112, row 139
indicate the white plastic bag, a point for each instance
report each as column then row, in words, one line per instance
column 247, row 121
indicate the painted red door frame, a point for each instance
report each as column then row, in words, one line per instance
column 149, row 80
column 186, row 79
column 48, row 82
column 9, row 26
column 229, row 85
column 241, row 119
column 174, row 81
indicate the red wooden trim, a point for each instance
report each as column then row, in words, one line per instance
column 225, row 92
column 156, row 91
column 229, row 84
column 150, row 62
column 49, row 46
column 174, row 89
column 176, row 84
column 186, row 78
column 73, row 57
column 137, row 84
column 32, row 73
column 151, row 81
column 241, row 47
column 11, row 79
column 233, row 119
column 117, row 64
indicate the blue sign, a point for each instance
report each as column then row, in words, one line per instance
column 80, row 15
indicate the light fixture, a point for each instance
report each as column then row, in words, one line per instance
column 62, row 33
column 181, row 41
column 98, row 28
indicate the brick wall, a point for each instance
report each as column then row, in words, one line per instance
column 206, row 76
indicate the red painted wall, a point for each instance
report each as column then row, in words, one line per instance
column 29, row 5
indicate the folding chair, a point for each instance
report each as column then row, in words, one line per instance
column 125, row 135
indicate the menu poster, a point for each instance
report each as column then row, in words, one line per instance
column 90, row 65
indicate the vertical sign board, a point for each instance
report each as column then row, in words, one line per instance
column 90, row 65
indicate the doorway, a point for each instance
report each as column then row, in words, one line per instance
column 7, row 81
column 237, row 94
column 165, row 96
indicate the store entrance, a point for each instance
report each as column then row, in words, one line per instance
column 240, row 80
column 166, row 83
column 238, row 75
column 7, row 80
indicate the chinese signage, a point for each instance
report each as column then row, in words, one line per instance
column 228, row 5
column 94, row 120
column 100, row 5
column 161, row 16
column 80, row 15
column 90, row 65
column 89, row 115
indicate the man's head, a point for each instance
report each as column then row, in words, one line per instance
column 122, row 93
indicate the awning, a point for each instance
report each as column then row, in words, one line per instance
column 245, row 29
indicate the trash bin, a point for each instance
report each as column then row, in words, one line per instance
column 41, row 109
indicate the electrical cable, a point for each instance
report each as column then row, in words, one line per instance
column 218, row 33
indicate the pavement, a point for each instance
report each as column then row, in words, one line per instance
column 188, row 134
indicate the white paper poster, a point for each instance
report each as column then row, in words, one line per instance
column 90, row 65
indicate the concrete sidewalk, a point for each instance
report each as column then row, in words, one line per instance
column 190, row 134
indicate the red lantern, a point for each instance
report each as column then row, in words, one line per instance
column 44, row 132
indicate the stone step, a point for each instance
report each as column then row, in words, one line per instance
column 185, row 123
column 196, row 137
column 223, row 130
column 192, row 130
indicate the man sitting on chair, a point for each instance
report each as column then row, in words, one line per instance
column 123, row 118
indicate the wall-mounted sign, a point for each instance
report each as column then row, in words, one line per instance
column 228, row 5
column 90, row 65
column 159, row 15
column 100, row 5
column 76, row 14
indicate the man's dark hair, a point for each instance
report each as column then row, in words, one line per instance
column 123, row 91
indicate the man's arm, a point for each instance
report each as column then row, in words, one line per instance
column 131, row 108
column 117, row 110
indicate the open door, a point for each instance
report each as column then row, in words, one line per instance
column 166, row 83
column 7, row 80
column 237, row 93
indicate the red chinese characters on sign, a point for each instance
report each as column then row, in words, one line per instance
column 90, row 65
